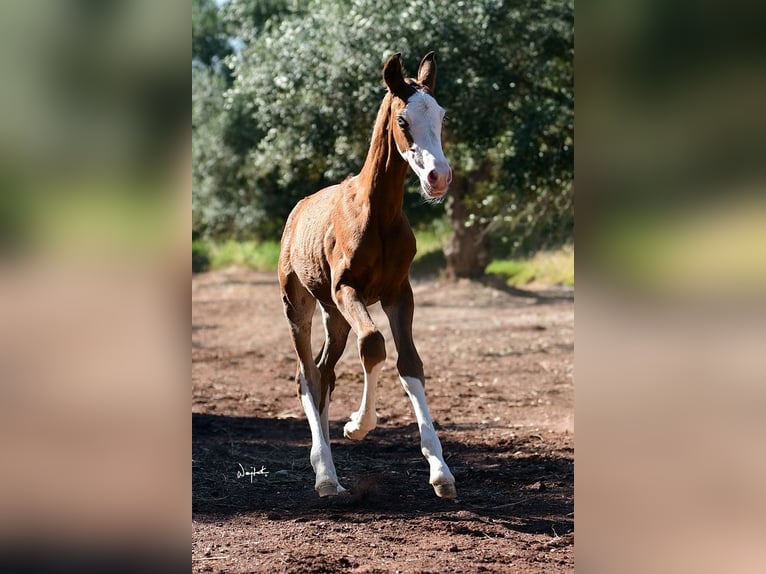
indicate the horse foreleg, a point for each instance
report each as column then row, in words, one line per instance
column 365, row 419
column 440, row 476
column 372, row 353
column 400, row 312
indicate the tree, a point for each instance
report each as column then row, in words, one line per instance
column 514, row 149
column 306, row 87
column 227, row 200
column 210, row 41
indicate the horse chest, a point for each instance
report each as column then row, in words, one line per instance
column 380, row 262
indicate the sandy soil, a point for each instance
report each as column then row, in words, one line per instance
column 500, row 387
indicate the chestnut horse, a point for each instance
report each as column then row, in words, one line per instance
column 349, row 246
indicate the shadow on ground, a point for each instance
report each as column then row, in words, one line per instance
column 514, row 483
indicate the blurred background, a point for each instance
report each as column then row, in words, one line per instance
column 671, row 267
column 95, row 173
column 96, row 176
column 92, row 114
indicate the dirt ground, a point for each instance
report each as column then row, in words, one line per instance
column 499, row 367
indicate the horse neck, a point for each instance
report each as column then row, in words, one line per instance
column 381, row 179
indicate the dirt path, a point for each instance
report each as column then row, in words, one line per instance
column 501, row 391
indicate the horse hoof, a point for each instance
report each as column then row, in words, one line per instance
column 330, row 489
column 353, row 432
column 445, row 490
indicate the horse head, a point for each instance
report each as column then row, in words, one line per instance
column 416, row 120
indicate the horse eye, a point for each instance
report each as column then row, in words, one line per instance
column 402, row 122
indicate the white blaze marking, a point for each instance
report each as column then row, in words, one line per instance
column 424, row 116
column 429, row 442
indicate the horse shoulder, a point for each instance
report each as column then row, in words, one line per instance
column 399, row 248
column 400, row 244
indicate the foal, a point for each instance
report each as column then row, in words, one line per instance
column 349, row 246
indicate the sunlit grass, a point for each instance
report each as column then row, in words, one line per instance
column 264, row 255
column 432, row 237
column 257, row 255
column 545, row 267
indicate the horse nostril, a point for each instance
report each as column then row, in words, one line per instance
column 449, row 177
column 432, row 176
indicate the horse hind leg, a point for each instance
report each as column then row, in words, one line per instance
column 299, row 307
column 336, row 333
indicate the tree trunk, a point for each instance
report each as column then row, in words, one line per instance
column 469, row 251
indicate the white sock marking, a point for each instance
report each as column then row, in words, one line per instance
column 321, row 456
column 430, row 445
column 365, row 419
column 324, row 417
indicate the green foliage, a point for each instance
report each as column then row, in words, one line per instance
column 200, row 257
column 306, row 87
column 516, row 145
column 225, row 203
column 246, row 19
column 210, row 43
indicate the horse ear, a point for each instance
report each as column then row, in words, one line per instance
column 427, row 71
column 392, row 73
